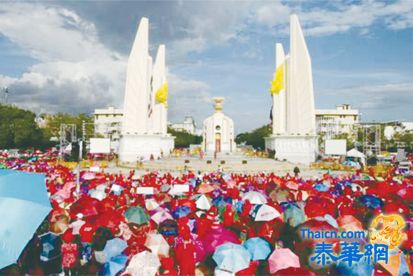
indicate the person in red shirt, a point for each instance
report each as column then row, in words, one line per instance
column 185, row 254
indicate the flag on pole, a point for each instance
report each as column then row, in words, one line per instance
column 277, row 84
column 161, row 95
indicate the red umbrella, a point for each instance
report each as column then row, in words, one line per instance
column 86, row 205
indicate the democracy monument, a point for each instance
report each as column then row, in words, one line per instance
column 144, row 136
column 294, row 135
column 144, row 125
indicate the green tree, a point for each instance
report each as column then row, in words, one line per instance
column 54, row 122
column 18, row 128
column 183, row 139
column 254, row 138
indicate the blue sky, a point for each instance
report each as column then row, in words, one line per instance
column 71, row 56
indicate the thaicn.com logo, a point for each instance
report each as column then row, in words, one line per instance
column 352, row 247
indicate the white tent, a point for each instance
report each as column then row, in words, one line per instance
column 357, row 154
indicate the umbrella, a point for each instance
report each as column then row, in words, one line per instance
column 181, row 211
column 114, row 247
column 254, row 197
column 86, row 205
column 23, row 206
column 136, row 215
column 98, row 194
column 161, row 215
column 265, row 213
column 282, row 258
column 157, row 244
column 371, row 201
column 231, row 257
column 151, row 204
column 217, row 236
column 203, row 203
column 114, row 265
column 205, row 188
column 144, row 263
column 258, row 247
column 349, row 223
column 293, row 214
column 50, row 246
column 168, row 227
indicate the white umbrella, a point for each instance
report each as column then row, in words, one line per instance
column 151, row 204
column 203, row 203
column 254, row 197
column 266, row 213
column 157, row 244
column 98, row 194
column 144, row 263
column 161, row 215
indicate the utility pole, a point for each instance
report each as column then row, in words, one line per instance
column 6, row 95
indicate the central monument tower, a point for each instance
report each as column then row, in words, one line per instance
column 218, row 132
column 293, row 128
column 144, row 126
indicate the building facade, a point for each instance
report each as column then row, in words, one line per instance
column 332, row 122
column 218, row 131
column 188, row 125
column 108, row 123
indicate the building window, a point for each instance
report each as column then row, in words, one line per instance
column 218, row 128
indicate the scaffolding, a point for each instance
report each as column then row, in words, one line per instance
column 371, row 139
column 67, row 136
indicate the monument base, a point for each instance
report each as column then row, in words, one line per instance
column 293, row 148
column 133, row 148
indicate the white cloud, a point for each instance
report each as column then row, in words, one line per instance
column 325, row 21
column 74, row 71
column 396, row 99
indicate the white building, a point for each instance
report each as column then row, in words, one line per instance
column 218, row 131
column 188, row 125
column 108, row 123
column 331, row 122
column 397, row 127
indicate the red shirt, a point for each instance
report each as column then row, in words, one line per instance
column 70, row 253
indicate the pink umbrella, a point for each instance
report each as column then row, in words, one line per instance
column 281, row 259
column 206, row 188
column 217, row 236
column 160, row 215
column 200, row 253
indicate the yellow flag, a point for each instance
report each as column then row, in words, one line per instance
column 161, row 95
column 277, row 84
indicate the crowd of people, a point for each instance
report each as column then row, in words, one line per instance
column 204, row 223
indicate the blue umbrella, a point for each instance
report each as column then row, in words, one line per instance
column 371, row 202
column 114, row 265
column 24, row 204
column 231, row 257
column 114, row 247
column 181, row 211
column 321, row 187
column 259, row 248
column 293, row 214
column 50, row 246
